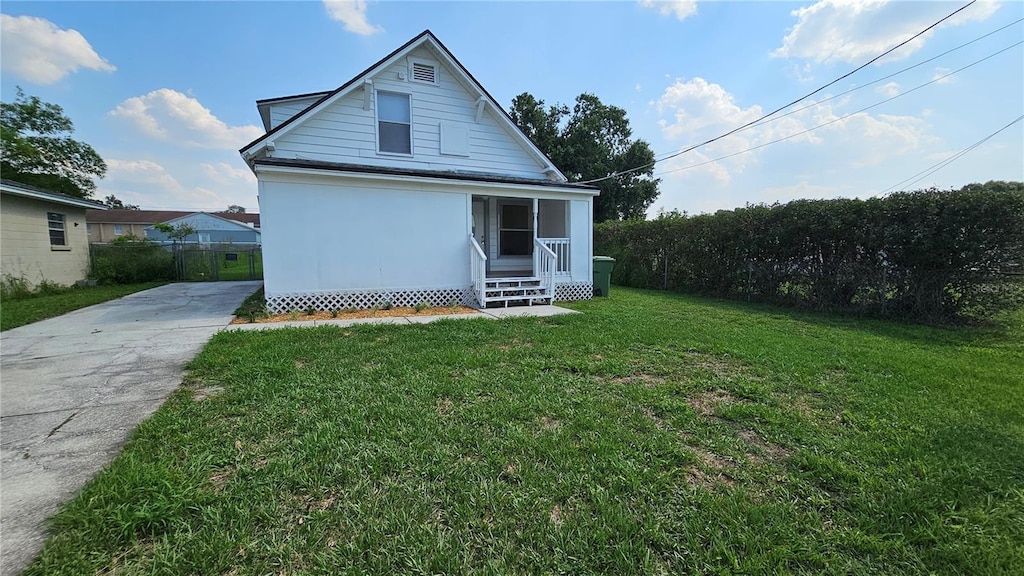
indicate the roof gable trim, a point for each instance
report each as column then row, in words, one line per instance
column 403, row 51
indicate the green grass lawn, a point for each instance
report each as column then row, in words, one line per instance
column 652, row 434
column 21, row 311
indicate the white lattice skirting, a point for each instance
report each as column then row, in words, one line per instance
column 574, row 291
column 283, row 303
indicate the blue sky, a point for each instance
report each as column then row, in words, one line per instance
column 166, row 91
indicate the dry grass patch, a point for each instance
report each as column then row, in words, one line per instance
column 707, row 403
column 200, row 394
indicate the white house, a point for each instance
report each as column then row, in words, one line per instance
column 411, row 183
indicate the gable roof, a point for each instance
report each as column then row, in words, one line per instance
column 153, row 216
column 24, row 190
column 425, row 37
column 217, row 216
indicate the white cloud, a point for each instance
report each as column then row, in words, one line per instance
column 854, row 31
column 638, row 87
column 352, row 13
column 802, row 189
column 153, row 187
column 40, row 52
column 890, row 90
column 225, row 173
column 166, row 114
column 680, row 8
column 696, row 110
column 941, row 76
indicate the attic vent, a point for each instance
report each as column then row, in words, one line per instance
column 424, row 73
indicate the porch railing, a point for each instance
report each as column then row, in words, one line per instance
column 544, row 263
column 478, row 269
column 560, row 246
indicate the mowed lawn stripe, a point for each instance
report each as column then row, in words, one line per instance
column 651, row 434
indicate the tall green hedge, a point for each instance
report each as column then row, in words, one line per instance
column 930, row 255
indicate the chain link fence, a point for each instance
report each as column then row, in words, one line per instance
column 133, row 262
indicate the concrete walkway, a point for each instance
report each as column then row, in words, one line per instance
column 73, row 388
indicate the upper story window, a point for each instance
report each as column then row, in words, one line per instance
column 394, row 123
column 55, row 223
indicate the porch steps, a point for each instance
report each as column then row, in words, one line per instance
column 523, row 290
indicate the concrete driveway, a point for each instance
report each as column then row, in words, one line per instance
column 73, row 388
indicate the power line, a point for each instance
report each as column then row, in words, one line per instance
column 834, row 120
column 873, row 82
column 940, row 165
column 773, row 112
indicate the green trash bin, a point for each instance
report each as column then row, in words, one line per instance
column 603, row 266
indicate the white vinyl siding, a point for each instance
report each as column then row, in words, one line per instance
column 281, row 112
column 346, row 133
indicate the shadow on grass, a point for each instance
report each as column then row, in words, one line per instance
column 997, row 330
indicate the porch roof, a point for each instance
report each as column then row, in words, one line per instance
column 441, row 174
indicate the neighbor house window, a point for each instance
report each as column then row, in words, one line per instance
column 394, row 123
column 515, row 237
column 55, row 222
column 118, row 230
column 88, row 229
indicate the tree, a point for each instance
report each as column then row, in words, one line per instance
column 176, row 233
column 115, row 203
column 37, row 148
column 235, row 209
column 593, row 140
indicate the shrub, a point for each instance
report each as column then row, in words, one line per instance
column 929, row 255
column 14, row 287
column 129, row 260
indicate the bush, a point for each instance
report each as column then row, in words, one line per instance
column 130, row 260
column 929, row 255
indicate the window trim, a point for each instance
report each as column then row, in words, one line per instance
column 376, row 124
column 424, row 62
column 63, row 222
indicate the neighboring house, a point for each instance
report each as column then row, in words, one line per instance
column 411, row 183
column 105, row 225
column 209, row 229
column 42, row 234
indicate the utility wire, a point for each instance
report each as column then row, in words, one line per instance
column 939, row 166
column 834, row 120
column 779, row 109
column 873, row 82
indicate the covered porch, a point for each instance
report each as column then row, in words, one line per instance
column 520, row 248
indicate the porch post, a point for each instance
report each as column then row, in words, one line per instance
column 536, row 205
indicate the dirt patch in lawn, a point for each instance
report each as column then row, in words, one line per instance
column 705, row 403
column 353, row 314
column 712, row 472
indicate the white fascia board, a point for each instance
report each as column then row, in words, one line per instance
column 55, row 200
column 463, row 186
